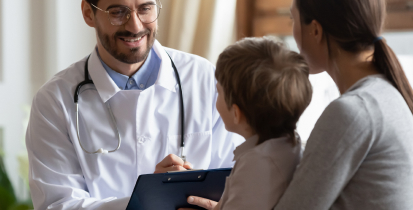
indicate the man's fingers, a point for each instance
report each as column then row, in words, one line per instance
column 171, row 168
column 202, row 202
column 172, row 163
column 188, row 165
column 170, row 160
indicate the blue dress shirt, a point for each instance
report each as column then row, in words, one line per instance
column 145, row 77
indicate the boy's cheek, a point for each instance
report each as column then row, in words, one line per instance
column 221, row 108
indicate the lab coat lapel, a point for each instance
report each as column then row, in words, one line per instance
column 166, row 76
column 105, row 86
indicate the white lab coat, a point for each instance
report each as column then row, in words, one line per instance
column 63, row 176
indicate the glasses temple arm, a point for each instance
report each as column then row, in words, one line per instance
column 98, row 8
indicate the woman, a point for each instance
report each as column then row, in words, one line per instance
column 360, row 153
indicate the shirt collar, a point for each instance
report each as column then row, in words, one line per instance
column 107, row 88
column 140, row 77
column 244, row 147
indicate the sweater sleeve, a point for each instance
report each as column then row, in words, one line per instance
column 335, row 150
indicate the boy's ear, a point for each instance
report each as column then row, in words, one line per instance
column 88, row 14
column 237, row 114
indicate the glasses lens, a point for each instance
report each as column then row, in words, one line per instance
column 148, row 13
column 118, row 15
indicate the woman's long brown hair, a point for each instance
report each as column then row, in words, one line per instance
column 356, row 25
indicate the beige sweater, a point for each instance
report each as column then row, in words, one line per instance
column 260, row 174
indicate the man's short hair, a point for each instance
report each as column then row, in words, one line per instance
column 268, row 82
column 94, row 2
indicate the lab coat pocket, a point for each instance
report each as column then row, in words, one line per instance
column 197, row 148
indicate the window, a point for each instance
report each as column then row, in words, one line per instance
column 399, row 15
column 264, row 17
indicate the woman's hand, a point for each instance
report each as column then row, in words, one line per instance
column 201, row 202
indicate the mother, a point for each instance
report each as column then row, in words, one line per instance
column 360, row 153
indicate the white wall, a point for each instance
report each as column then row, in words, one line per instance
column 15, row 83
column 74, row 39
column 402, row 45
column 38, row 39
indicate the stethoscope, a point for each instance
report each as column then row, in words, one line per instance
column 103, row 151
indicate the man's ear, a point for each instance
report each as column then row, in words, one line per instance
column 237, row 114
column 317, row 31
column 88, row 14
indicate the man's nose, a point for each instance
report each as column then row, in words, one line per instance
column 134, row 24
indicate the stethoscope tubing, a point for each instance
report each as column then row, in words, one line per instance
column 178, row 79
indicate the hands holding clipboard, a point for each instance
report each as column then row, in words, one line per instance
column 174, row 183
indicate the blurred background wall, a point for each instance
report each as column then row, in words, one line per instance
column 39, row 38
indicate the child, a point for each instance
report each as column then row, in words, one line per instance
column 263, row 88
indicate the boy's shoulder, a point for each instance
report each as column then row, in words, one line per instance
column 279, row 151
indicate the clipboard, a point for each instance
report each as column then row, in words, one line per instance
column 169, row 191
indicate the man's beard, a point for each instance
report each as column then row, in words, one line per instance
column 109, row 43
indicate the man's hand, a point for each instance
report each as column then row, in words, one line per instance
column 201, row 202
column 172, row 163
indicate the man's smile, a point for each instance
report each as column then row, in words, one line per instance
column 132, row 41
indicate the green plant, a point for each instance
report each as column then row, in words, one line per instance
column 8, row 199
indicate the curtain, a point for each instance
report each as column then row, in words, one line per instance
column 201, row 27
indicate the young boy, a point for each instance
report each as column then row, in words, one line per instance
column 263, row 88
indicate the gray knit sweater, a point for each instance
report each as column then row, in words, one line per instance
column 359, row 155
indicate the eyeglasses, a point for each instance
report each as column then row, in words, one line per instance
column 119, row 15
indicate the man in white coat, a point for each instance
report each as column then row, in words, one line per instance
column 134, row 80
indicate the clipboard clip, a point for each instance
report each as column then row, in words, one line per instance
column 193, row 176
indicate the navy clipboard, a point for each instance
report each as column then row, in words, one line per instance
column 169, row 191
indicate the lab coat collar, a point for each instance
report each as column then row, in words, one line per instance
column 104, row 84
column 107, row 88
column 166, row 75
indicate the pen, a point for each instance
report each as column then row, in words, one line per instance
column 183, row 157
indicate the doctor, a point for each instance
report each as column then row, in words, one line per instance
column 130, row 116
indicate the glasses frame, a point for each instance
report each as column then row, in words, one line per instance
column 130, row 12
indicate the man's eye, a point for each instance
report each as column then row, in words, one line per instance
column 117, row 12
column 146, row 8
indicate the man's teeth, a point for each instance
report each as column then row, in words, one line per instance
column 133, row 40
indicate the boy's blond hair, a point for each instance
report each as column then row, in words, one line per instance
column 268, row 82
